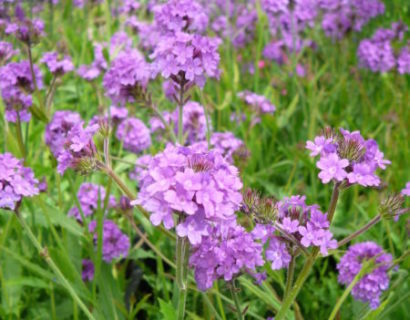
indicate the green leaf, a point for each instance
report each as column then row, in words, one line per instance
column 167, row 310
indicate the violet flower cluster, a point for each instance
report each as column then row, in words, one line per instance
column 134, row 135
column 201, row 188
column 58, row 128
column 26, row 30
column 16, row 182
column 6, row 52
column 91, row 197
column 16, row 86
column 98, row 66
column 378, row 53
column 347, row 157
column 115, row 244
column 55, row 65
column 226, row 252
column 370, row 286
column 259, row 104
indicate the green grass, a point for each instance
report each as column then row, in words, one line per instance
column 335, row 93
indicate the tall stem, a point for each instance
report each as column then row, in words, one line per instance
column 236, row 300
column 53, row 266
column 182, row 251
column 288, row 301
column 289, row 276
column 363, row 229
column 19, row 136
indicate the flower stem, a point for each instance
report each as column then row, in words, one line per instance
column 180, row 114
column 304, row 273
column 19, row 136
column 182, row 251
column 236, row 300
column 363, row 229
column 53, row 266
column 289, row 276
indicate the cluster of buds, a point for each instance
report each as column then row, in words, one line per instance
column 392, row 207
column 263, row 210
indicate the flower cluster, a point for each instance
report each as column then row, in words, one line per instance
column 115, row 244
column 91, row 197
column 16, row 181
column 378, row 54
column 193, row 122
column 16, row 86
column 24, row 29
column 180, row 15
column 58, row 128
column 134, row 135
column 141, row 168
column 347, row 157
column 370, row 287
column 79, row 149
column 186, row 58
column 259, row 104
column 128, row 74
column 226, row 252
column 340, row 17
column 99, row 65
column 56, row 66
column 202, row 188
column 6, row 51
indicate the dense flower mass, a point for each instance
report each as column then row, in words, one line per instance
column 91, row 197
column 127, row 75
column 347, row 157
column 134, row 135
column 370, row 286
column 79, row 149
column 58, row 128
column 55, row 65
column 227, row 251
column 16, row 86
column 185, row 57
column 180, row 15
column 201, row 187
column 115, row 244
column 378, row 54
column 16, row 181
column 259, row 104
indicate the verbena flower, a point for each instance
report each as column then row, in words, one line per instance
column 128, row 74
column 16, row 181
column 370, row 287
column 406, row 190
column 186, row 58
column 141, row 168
column 115, row 244
column 79, row 150
column 26, row 30
column 55, row 65
column 403, row 60
column 6, row 52
column 225, row 253
column 112, row 117
column 134, row 135
column 130, row 6
column 91, row 197
column 87, row 273
column 259, row 104
column 119, row 42
column 16, row 85
column 58, row 128
column 202, row 188
column 181, row 15
column 347, row 157
column 99, row 65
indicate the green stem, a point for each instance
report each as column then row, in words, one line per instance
column 53, row 266
column 180, row 115
column 182, row 252
column 289, row 276
column 236, row 300
column 290, row 298
column 363, row 229
column 19, row 136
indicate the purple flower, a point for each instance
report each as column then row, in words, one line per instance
column 364, row 175
column 16, row 181
column 58, row 128
column 128, row 74
column 16, row 86
column 406, row 190
column 224, row 253
column 370, row 287
column 332, row 167
column 91, row 197
column 403, row 60
column 202, row 186
column 134, row 134
column 260, row 104
column 130, row 6
column 320, row 143
column 6, row 51
column 56, row 66
column 119, row 42
column 277, row 254
column 378, row 57
column 141, row 168
column 228, row 145
column 24, row 29
column 87, row 273
column 115, row 244
column 99, row 65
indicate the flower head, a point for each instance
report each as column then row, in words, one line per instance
column 55, row 65
column 134, row 134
